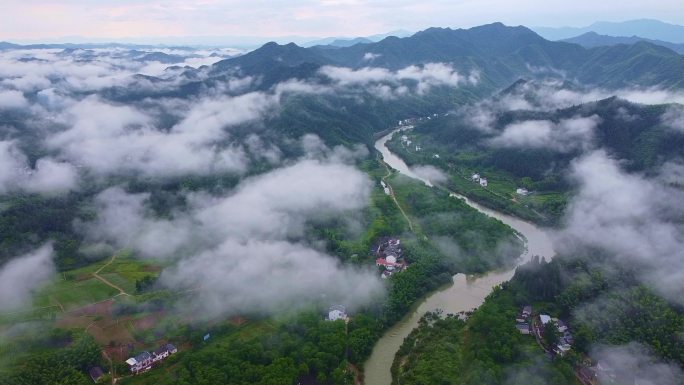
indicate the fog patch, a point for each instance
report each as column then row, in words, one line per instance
column 430, row 173
column 634, row 218
column 10, row 99
column 49, row 176
column 243, row 252
column 20, row 277
column 564, row 136
column 370, row 56
column 267, row 277
column 424, row 77
column 674, row 118
column 634, row 364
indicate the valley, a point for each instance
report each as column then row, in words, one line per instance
column 376, row 212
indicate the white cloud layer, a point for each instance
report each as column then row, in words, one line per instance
column 243, row 251
column 24, row 274
column 564, row 136
column 632, row 217
column 393, row 83
column 49, row 176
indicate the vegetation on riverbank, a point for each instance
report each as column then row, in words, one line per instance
column 599, row 303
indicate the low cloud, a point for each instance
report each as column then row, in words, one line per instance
column 634, row 364
column 423, row 77
column 634, row 218
column 10, row 99
column 431, row 173
column 674, row 118
column 49, row 176
column 124, row 222
column 114, row 139
column 564, row 136
column 266, row 277
column 370, row 56
column 246, row 251
column 20, row 277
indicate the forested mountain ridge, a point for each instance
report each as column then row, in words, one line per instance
column 500, row 53
column 593, row 39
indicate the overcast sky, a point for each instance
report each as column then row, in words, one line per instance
column 26, row 20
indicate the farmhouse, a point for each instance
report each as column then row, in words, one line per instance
column 523, row 327
column 544, row 318
column 95, row 373
column 527, row 311
column 475, row 177
column 522, row 191
column 144, row 361
column 483, row 182
column 140, row 363
column 337, row 312
column 562, row 327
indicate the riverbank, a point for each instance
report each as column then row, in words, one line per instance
column 464, row 294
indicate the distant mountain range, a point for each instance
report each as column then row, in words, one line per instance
column 500, row 54
column 593, row 39
column 349, row 41
column 646, row 28
column 6, row 45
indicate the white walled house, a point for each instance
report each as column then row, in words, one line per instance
column 337, row 312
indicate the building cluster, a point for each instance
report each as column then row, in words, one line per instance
column 477, row 178
column 337, row 312
column 565, row 339
column 523, row 320
column 145, row 360
column 524, row 324
column 390, row 256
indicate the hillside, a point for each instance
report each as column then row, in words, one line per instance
column 648, row 28
column 593, row 39
column 500, row 54
column 534, row 149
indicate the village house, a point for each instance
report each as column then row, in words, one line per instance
column 527, row 311
column 521, row 191
column 544, row 319
column 523, row 327
column 144, row 361
column 561, row 326
column 524, row 314
column 390, row 256
column 95, row 373
column 483, row 182
column 475, row 177
column 390, row 263
column 337, row 312
column 140, row 363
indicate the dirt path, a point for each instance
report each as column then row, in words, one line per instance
column 98, row 276
column 394, row 198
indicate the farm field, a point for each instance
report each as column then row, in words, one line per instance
column 79, row 300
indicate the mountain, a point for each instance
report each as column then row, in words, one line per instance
column 593, row 39
column 7, row 45
column 348, row 41
column 647, row 28
column 498, row 53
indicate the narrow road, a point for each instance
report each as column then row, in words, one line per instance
column 394, row 198
column 98, row 276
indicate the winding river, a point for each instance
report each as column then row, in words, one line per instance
column 465, row 293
